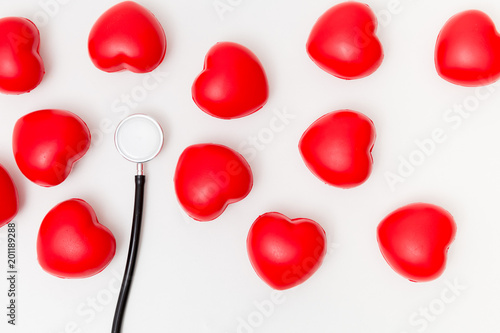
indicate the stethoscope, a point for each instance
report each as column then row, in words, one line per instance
column 138, row 138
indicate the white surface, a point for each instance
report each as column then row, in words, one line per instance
column 195, row 277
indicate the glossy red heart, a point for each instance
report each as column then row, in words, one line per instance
column 337, row 148
column 284, row 252
column 414, row 240
column 47, row 143
column 127, row 36
column 21, row 67
column 8, row 197
column 343, row 41
column 72, row 243
column 233, row 83
column 208, row 178
column 468, row 50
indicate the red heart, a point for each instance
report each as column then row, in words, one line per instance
column 284, row 252
column 22, row 67
column 233, row 83
column 71, row 243
column 337, row 148
column 127, row 36
column 468, row 50
column 47, row 143
column 414, row 240
column 208, row 178
column 8, row 197
column 343, row 41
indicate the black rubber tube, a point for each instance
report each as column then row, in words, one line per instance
column 132, row 254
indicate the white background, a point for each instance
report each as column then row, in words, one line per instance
column 196, row 277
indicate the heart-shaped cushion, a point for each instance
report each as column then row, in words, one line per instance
column 127, row 36
column 208, row 178
column 233, row 83
column 343, row 41
column 285, row 252
column 468, row 50
column 414, row 240
column 22, row 67
column 337, row 148
column 8, row 197
column 47, row 143
column 72, row 243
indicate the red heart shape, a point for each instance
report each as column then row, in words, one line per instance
column 22, row 67
column 127, row 36
column 8, row 197
column 337, row 148
column 208, row 178
column 47, row 143
column 414, row 240
column 72, row 243
column 283, row 252
column 468, row 50
column 233, row 83
column 343, row 41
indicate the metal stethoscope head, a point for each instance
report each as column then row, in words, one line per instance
column 139, row 139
